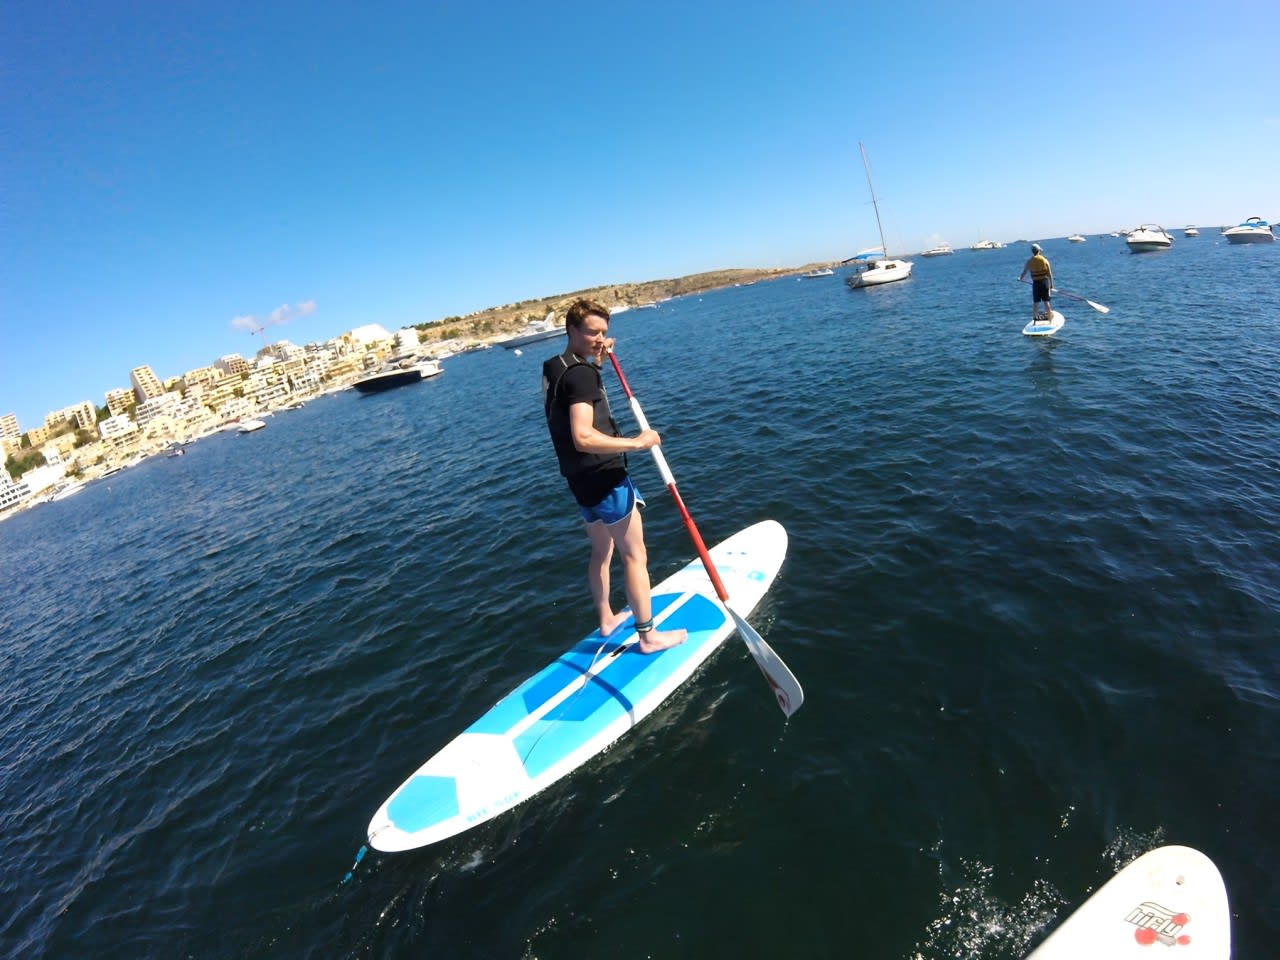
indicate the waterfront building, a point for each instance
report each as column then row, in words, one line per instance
column 370, row 334
column 233, row 363
column 117, row 427
column 158, row 406
column 39, row 479
column 310, row 380
column 237, row 408
column 9, row 427
column 406, row 342
column 12, row 492
column 201, row 376
column 38, row 436
column 145, row 384
column 119, row 400
column 83, row 415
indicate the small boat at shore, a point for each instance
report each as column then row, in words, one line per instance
column 249, row 426
column 1148, row 238
column 814, row 274
column 1253, row 230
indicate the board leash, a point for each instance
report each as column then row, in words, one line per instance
column 364, row 848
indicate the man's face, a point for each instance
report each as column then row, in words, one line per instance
column 589, row 339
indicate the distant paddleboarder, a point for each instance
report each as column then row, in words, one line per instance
column 1041, row 284
column 592, row 454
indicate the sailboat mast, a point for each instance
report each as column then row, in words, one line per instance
column 866, row 165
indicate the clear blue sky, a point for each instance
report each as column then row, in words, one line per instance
column 169, row 167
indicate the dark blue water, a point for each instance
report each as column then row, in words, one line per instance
column 1033, row 593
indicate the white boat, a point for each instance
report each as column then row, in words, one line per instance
column 66, row 489
column 987, row 245
column 1253, row 230
column 883, row 269
column 941, row 250
column 814, row 274
column 1075, row 238
column 248, row 426
column 1190, row 231
column 534, row 331
column 1148, row 237
column 429, row 367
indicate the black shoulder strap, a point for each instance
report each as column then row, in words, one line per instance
column 553, row 373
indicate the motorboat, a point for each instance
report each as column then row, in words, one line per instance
column 429, row 367
column 987, row 245
column 941, row 250
column 534, row 331
column 66, row 489
column 397, row 371
column 876, row 266
column 1147, row 238
column 1190, row 231
column 814, row 274
column 1253, row 230
column 249, row 426
column 1075, row 238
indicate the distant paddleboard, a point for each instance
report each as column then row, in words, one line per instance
column 1041, row 328
column 1170, row 897
column 567, row 713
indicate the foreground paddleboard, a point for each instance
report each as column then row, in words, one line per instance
column 567, row 713
column 1170, row 897
column 1039, row 328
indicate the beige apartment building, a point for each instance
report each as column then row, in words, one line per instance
column 119, row 400
column 145, row 384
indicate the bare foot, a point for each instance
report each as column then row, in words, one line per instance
column 656, row 640
column 614, row 621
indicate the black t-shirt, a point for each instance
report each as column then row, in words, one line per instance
column 591, row 476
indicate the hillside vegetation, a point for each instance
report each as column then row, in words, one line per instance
column 496, row 323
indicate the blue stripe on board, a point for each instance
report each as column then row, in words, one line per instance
column 629, row 680
column 546, row 683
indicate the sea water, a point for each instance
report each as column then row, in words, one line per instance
column 1033, row 594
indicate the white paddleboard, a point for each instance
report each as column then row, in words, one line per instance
column 1170, row 897
column 1041, row 328
column 573, row 709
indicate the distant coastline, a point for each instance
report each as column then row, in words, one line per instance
column 497, row 323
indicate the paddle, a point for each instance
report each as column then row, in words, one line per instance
column 783, row 682
column 1097, row 306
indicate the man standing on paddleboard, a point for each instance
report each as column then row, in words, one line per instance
column 592, row 453
column 1041, row 283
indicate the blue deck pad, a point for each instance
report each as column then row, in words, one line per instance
column 423, row 802
column 630, row 679
column 569, row 668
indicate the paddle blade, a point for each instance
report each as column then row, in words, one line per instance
column 786, row 688
column 1099, row 307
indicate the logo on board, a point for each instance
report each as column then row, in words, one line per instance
column 1157, row 924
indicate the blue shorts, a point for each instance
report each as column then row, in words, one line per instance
column 1040, row 290
column 618, row 505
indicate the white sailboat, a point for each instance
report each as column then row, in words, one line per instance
column 884, row 269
